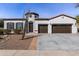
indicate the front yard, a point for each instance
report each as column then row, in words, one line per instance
column 14, row 42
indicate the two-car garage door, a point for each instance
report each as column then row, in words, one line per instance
column 56, row 28
column 61, row 28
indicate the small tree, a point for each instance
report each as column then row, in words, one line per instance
column 77, row 19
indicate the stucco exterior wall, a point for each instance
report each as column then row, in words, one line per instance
column 36, row 25
column 58, row 20
column 65, row 20
column 62, row 20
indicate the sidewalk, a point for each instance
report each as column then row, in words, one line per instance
column 37, row 53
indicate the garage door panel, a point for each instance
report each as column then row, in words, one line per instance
column 42, row 28
column 58, row 31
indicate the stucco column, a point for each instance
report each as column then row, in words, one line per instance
column 35, row 27
column 14, row 25
column 49, row 29
column 74, row 28
column 23, row 24
column 5, row 25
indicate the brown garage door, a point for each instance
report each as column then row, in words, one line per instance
column 42, row 28
column 61, row 28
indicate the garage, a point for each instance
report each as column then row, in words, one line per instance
column 42, row 28
column 61, row 28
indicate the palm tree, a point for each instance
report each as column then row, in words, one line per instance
column 77, row 17
column 24, row 30
column 25, row 26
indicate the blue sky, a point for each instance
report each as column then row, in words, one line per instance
column 16, row 10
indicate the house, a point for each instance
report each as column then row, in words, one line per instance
column 58, row 24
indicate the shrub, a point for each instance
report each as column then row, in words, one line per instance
column 17, row 31
column 1, row 31
column 1, row 24
column 6, row 31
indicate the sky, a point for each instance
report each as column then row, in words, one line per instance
column 45, row 10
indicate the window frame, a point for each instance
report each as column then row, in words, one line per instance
column 10, row 25
column 19, row 26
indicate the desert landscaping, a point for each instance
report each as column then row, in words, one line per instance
column 15, row 42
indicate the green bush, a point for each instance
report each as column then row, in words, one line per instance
column 1, row 24
column 6, row 31
column 1, row 31
column 17, row 31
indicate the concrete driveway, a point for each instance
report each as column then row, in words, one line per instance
column 58, row 42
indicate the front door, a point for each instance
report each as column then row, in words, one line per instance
column 30, row 26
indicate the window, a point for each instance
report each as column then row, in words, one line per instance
column 10, row 25
column 19, row 25
column 36, row 16
column 30, row 15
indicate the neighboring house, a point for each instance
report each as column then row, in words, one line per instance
column 58, row 24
